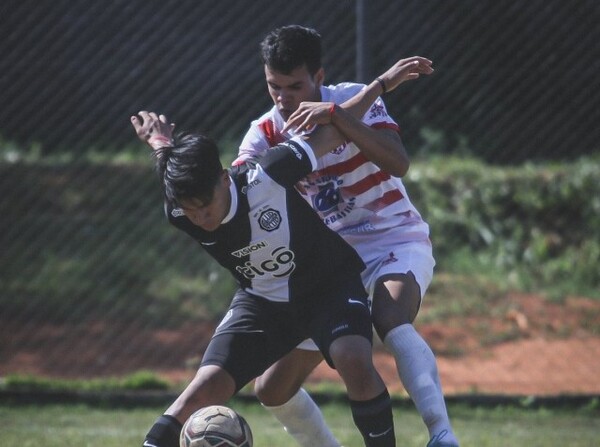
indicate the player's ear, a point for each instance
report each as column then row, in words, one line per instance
column 225, row 177
column 319, row 77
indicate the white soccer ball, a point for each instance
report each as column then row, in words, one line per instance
column 215, row 426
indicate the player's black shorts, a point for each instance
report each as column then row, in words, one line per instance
column 256, row 332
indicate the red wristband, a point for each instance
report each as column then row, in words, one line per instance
column 332, row 110
column 159, row 139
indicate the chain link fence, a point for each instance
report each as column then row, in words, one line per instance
column 92, row 280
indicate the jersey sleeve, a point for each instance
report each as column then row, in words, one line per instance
column 253, row 144
column 377, row 117
column 288, row 162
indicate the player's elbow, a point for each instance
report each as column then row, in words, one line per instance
column 398, row 168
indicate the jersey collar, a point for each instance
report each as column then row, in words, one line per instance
column 234, row 201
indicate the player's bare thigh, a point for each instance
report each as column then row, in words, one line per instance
column 396, row 301
column 281, row 381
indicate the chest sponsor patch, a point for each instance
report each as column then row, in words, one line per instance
column 249, row 249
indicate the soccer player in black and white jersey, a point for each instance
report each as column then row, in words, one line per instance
column 358, row 192
column 298, row 279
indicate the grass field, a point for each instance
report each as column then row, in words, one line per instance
column 86, row 426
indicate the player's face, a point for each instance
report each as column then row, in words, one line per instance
column 289, row 90
column 209, row 215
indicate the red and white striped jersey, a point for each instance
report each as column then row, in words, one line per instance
column 352, row 195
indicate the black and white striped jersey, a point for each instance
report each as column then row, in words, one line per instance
column 273, row 242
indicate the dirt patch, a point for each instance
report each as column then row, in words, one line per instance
column 532, row 347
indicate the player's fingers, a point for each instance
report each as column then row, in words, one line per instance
column 162, row 118
column 305, row 124
column 292, row 121
column 143, row 116
column 135, row 122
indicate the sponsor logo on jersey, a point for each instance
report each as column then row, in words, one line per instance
column 279, row 265
column 377, row 110
column 250, row 185
column 177, row 212
column 269, row 220
column 249, row 249
column 362, row 227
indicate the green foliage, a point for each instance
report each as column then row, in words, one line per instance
column 141, row 380
column 538, row 224
column 85, row 241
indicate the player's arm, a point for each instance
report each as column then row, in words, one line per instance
column 383, row 147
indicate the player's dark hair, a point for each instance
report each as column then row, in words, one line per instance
column 190, row 168
column 289, row 47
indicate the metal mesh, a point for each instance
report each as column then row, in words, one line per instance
column 84, row 245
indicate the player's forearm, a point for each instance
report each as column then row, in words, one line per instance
column 324, row 139
column 382, row 147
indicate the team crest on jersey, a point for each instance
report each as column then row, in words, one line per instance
column 269, row 220
column 330, row 204
column 327, row 198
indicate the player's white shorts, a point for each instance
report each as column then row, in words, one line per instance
column 396, row 250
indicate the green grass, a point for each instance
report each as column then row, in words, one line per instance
column 85, row 426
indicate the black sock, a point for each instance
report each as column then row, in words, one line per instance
column 164, row 433
column 374, row 420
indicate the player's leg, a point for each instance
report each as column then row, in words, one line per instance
column 245, row 343
column 279, row 390
column 212, row 385
column 370, row 401
column 343, row 330
column 283, row 379
column 396, row 301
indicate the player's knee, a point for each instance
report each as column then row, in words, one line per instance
column 272, row 393
column 351, row 354
column 264, row 393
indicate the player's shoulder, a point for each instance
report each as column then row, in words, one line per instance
column 340, row 92
column 265, row 117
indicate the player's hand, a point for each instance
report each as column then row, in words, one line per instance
column 406, row 70
column 308, row 115
column 153, row 129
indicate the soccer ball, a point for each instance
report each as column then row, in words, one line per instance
column 215, row 426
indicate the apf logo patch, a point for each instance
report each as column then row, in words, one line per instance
column 269, row 220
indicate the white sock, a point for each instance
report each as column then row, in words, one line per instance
column 418, row 372
column 303, row 420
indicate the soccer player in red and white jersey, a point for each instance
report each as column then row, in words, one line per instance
column 358, row 192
